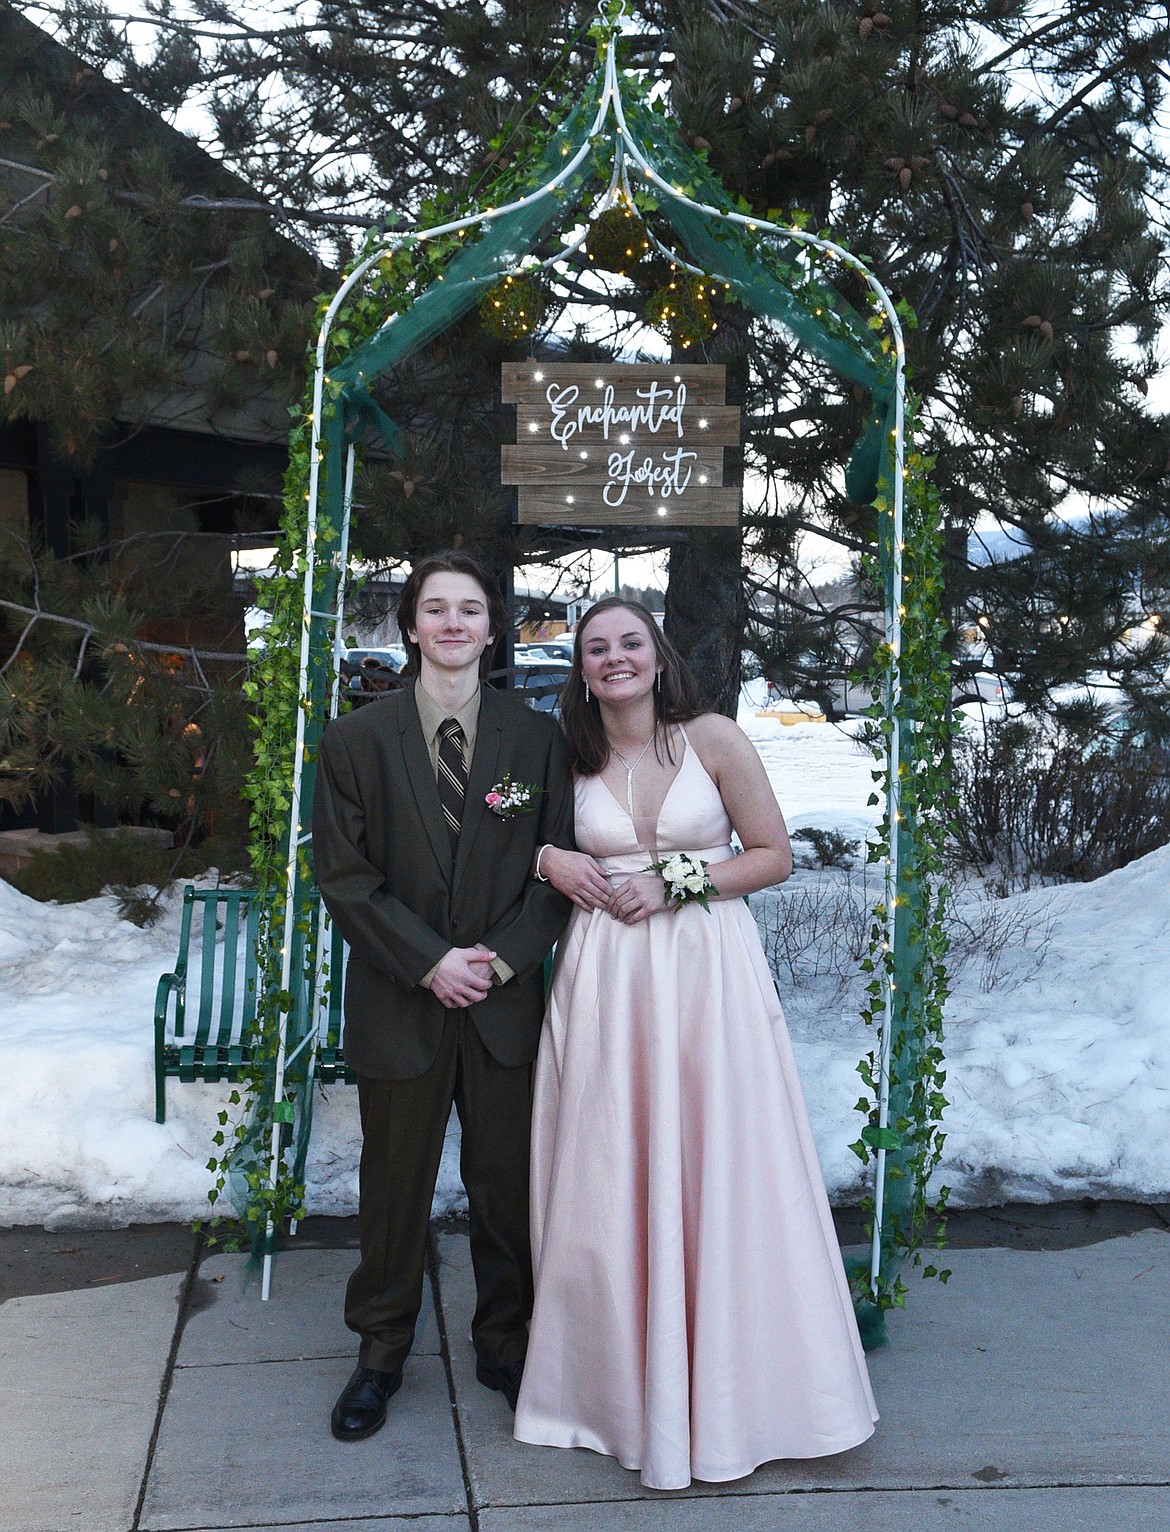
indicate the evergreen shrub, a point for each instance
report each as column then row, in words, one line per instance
column 830, row 848
column 124, row 863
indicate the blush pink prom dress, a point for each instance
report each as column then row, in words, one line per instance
column 692, row 1315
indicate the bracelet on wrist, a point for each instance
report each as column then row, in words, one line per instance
column 686, row 880
column 536, row 872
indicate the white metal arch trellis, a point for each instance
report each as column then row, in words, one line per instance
column 624, row 144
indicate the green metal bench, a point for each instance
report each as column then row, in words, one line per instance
column 219, row 998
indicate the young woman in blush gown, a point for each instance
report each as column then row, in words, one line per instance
column 692, row 1315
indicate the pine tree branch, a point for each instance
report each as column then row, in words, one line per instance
column 202, row 204
column 1078, row 98
column 277, row 210
column 1026, row 41
column 91, row 628
column 31, row 170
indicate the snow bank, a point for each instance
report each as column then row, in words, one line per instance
column 1057, row 1074
column 78, row 1139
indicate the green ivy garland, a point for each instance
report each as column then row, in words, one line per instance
column 913, row 1137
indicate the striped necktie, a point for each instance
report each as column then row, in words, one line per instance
column 452, row 776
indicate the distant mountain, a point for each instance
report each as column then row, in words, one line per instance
column 997, row 545
column 1000, row 545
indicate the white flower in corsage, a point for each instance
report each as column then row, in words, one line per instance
column 509, row 799
column 686, row 879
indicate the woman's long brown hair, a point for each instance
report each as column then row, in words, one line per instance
column 676, row 698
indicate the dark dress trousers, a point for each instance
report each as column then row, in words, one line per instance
column 401, row 898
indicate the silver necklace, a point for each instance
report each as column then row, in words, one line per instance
column 630, row 770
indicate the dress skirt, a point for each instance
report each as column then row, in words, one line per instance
column 692, row 1314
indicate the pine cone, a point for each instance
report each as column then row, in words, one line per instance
column 865, row 27
column 1032, row 322
column 968, row 120
column 73, row 212
column 948, row 111
column 1046, row 329
column 905, row 176
column 1027, row 211
column 243, row 356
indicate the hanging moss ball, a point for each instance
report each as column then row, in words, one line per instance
column 514, row 309
column 617, row 240
column 681, row 310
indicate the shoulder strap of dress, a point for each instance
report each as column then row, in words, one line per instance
column 685, row 735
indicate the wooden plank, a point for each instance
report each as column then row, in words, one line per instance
column 722, row 429
column 545, row 505
column 706, row 382
column 591, row 465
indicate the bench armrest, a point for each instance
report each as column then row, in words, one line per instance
column 170, row 984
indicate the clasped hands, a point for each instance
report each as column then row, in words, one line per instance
column 464, row 976
column 633, row 897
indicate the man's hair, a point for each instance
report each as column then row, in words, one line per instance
column 449, row 561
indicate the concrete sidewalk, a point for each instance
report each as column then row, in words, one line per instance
column 157, row 1392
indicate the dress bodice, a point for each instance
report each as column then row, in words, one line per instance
column 692, row 818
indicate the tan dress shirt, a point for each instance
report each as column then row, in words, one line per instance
column 432, row 717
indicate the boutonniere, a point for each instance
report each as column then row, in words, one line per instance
column 509, row 799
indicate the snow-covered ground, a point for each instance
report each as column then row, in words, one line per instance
column 1056, row 1035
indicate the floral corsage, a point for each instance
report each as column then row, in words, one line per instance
column 686, row 879
column 509, row 799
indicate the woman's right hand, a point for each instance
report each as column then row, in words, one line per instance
column 577, row 876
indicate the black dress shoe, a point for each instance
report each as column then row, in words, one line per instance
column 506, row 1379
column 361, row 1407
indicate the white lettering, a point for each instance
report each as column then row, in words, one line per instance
column 659, row 408
column 668, row 476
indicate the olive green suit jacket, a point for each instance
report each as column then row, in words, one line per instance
column 384, row 864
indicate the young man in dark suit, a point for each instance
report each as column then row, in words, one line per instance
column 432, row 886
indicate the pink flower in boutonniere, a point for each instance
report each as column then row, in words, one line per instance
column 508, row 798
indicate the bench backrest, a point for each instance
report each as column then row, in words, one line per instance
column 221, row 993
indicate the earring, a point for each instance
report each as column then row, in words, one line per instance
column 658, row 680
column 587, row 692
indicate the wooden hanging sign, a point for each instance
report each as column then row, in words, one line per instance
column 625, row 445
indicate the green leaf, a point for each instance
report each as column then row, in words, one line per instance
column 880, row 1138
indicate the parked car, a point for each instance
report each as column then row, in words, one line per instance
column 540, row 685
column 369, row 673
column 983, row 686
column 393, row 655
column 559, row 650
